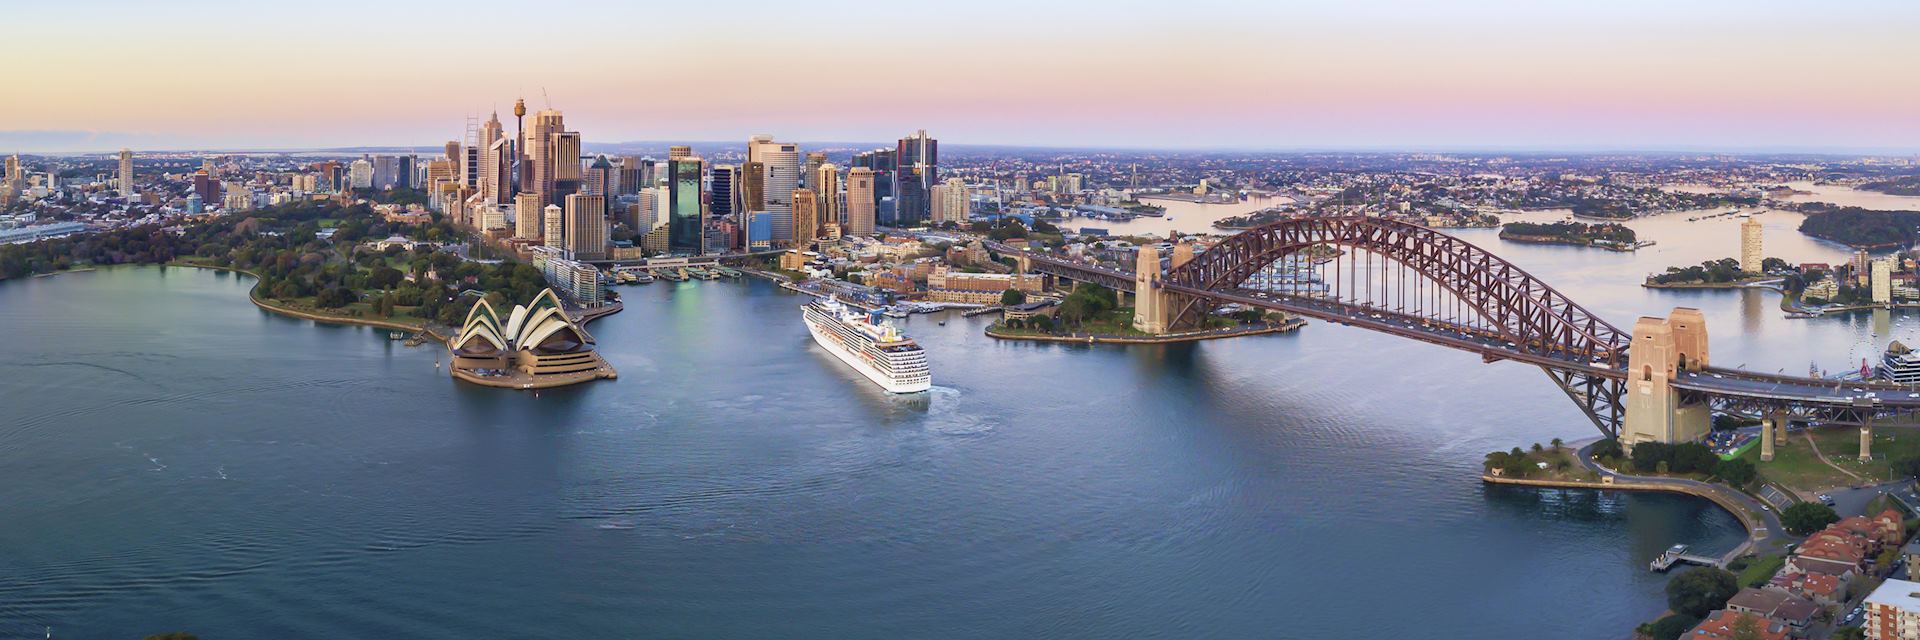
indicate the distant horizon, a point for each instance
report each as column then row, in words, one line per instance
column 602, row 147
column 1714, row 76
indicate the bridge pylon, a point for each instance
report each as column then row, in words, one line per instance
column 1149, row 301
column 1664, row 349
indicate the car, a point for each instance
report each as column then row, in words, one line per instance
column 1766, row 508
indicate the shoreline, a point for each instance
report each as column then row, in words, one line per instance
column 1752, row 525
column 1170, row 338
column 1737, row 284
column 253, row 295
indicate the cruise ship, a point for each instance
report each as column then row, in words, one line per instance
column 876, row 350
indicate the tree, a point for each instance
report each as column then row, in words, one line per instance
column 1012, row 297
column 1647, row 456
column 1737, row 472
column 1690, row 457
column 1607, row 449
column 1558, row 444
column 1908, row 466
column 1807, row 517
column 1671, row 626
column 1700, row 591
column 1537, row 448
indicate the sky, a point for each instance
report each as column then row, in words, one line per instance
column 1750, row 75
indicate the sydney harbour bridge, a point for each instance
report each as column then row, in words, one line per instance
column 1656, row 383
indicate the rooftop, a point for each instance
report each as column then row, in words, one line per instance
column 1899, row 594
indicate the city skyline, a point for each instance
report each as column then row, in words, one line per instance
column 1487, row 75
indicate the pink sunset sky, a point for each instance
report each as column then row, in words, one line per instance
column 1755, row 75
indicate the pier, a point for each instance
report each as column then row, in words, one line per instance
column 1677, row 554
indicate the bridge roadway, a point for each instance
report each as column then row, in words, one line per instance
column 1835, row 401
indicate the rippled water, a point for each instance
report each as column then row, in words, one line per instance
column 172, row 458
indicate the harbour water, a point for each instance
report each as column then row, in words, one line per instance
column 173, row 458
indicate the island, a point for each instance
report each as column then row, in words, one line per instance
column 1860, row 228
column 1607, row 235
column 1722, row 273
column 1897, row 186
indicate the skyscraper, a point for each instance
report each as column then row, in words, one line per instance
column 126, row 173
column 720, row 190
column 782, row 162
column 752, row 187
column 632, row 176
column 916, row 170
column 567, row 172
column 679, row 151
column 496, row 161
column 1751, row 257
column 814, row 160
column 825, row 184
column 806, row 218
column 882, row 162
column 586, row 232
column 600, row 178
column 685, row 233
column 540, row 154
column 860, row 203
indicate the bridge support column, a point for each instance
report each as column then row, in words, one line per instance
column 1866, row 441
column 1662, row 350
column 1149, row 302
column 1766, row 438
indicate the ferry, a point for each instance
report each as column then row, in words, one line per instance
column 869, row 345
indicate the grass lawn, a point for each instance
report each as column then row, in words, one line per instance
column 1561, row 465
column 1760, row 570
column 1796, row 467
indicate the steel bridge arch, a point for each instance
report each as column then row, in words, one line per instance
column 1525, row 310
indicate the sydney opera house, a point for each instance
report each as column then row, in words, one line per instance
column 534, row 347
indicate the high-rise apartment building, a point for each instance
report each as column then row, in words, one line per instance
column 860, row 202
column 806, row 217
column 1751, row 257
column 359, row 176
column 126, row 174
column 685, row 233
column 555, row 220
column 1893, row 611
column 586, row 232
column 950, row 202
column 1882, row 283
column 527, row 220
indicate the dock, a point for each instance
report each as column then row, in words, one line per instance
column 1677, row 554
